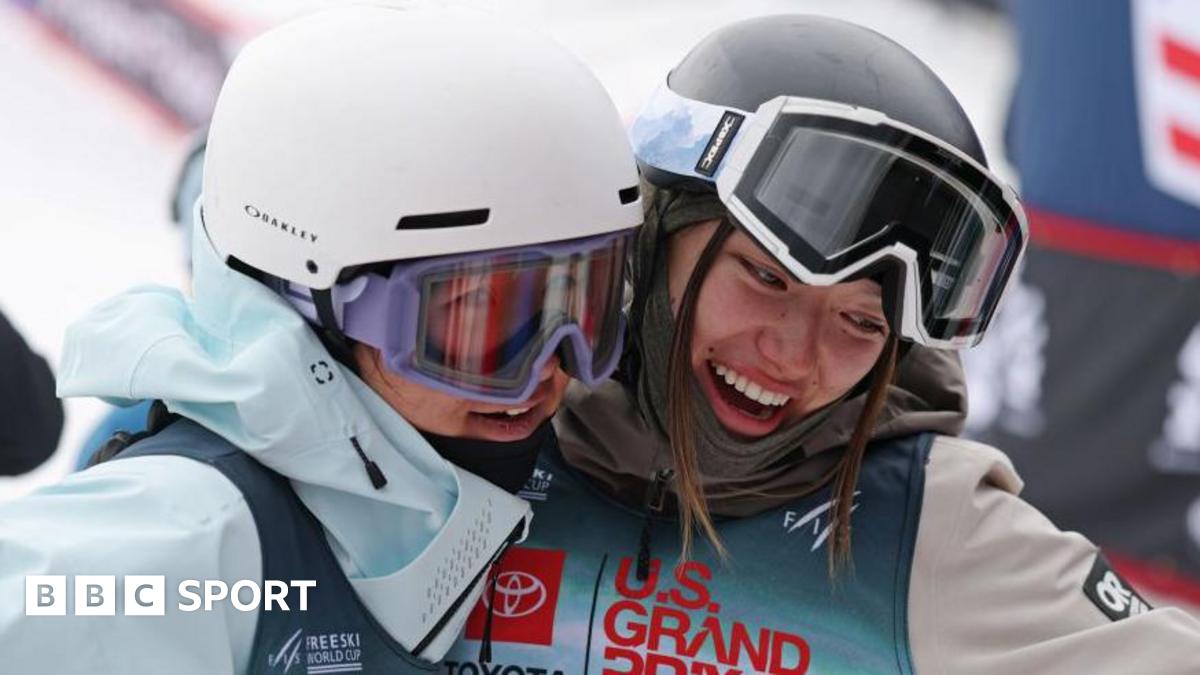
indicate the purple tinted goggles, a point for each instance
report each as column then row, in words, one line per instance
column 483, row 326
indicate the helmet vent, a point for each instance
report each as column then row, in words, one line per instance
column 434, row 221
column 628, row 195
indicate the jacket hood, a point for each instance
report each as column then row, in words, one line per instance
column 237, row 359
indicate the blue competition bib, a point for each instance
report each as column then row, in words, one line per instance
column 568, row 600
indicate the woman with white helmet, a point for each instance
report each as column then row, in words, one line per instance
column 394, row 261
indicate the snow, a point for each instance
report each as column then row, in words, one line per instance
column 85, row 170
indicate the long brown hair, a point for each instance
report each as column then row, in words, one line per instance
column 693, row 507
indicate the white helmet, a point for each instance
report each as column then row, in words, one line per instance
column 369, row 133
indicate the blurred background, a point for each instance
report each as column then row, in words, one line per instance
column 1090, row 379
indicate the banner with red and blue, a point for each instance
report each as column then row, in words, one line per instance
column 1090, row 379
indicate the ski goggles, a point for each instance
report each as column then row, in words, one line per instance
column 836, row 193
column 483, row 326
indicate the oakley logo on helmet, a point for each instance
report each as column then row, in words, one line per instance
column 718, row 145
column 280, row 225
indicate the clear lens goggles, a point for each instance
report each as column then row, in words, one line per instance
column 836, row 193
column 483, row 326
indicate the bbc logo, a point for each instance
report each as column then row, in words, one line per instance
column 96, row 595
column 146, row 595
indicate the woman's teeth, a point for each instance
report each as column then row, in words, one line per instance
column 751, row 390
column 510, row 414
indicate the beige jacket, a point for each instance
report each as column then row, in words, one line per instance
column 997, row 588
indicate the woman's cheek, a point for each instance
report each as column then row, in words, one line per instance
column 558, row 388
column 734, row 299
column 858, row 357
column 718, row 300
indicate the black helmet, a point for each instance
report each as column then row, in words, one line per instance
column 844, row 156
column 747, row 63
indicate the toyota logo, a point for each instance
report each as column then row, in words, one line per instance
column 517, row 594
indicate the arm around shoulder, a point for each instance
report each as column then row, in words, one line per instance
column 158, row 516
column 997, row 588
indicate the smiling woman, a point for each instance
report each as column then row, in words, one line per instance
column 780, row 350
column 805, row 346
column 821, row 232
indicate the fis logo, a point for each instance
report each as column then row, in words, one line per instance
column 821, row 526
column 289, row 654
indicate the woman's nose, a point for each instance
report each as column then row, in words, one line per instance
column 789, row 345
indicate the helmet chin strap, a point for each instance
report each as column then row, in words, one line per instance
column 331, row 334
column 323, row 301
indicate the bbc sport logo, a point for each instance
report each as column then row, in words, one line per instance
column 146, row 595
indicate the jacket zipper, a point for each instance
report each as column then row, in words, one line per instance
column 654, row 505
column 437, row 628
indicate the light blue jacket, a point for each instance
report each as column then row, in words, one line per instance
column 240, row 361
